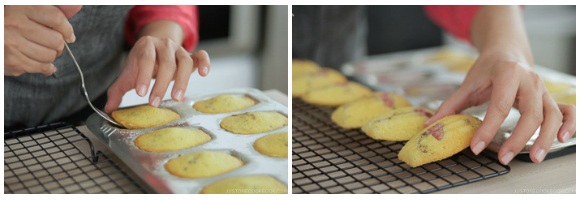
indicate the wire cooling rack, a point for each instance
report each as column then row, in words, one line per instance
column 329, row 159
column 47, row 159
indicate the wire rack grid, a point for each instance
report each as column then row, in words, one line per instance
column 329, row 159
column 47, row 159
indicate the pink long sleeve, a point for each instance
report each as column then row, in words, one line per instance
column 186, row 16
column 454, row 19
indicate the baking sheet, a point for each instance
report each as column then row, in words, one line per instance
column 150, row 166
column 427, row 83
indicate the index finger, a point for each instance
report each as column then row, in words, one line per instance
column 503, row 93
column 69, row 10
column 54, row 18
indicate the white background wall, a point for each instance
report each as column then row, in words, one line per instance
column 552, row 33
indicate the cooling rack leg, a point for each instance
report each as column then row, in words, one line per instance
column 96, row 157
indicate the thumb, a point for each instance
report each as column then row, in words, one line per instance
column 69, row 11
column 115, row 95
column 454, row 104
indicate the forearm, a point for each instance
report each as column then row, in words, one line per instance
column 501, row 28
column 164, row 29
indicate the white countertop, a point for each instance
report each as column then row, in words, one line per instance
column 557, row 175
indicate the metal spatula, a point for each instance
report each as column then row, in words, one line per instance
column 101, row 113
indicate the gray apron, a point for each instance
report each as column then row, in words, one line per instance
column 34, row 99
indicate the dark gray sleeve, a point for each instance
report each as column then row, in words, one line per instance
column 329, row 35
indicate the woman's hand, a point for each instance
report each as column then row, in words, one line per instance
column 33, row 37
column 157, row 54
column 504, row 75
column 505, row 81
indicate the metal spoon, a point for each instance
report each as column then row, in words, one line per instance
column 101, row 113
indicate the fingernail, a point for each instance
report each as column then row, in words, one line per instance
column 73, row 38
column 142, row 90
column 566, row 136
column 507, row 158
column 540, row 154
column 179, row 95
column 156, row 102
column 54, row 75
column 205, row 70
column 478, row 147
